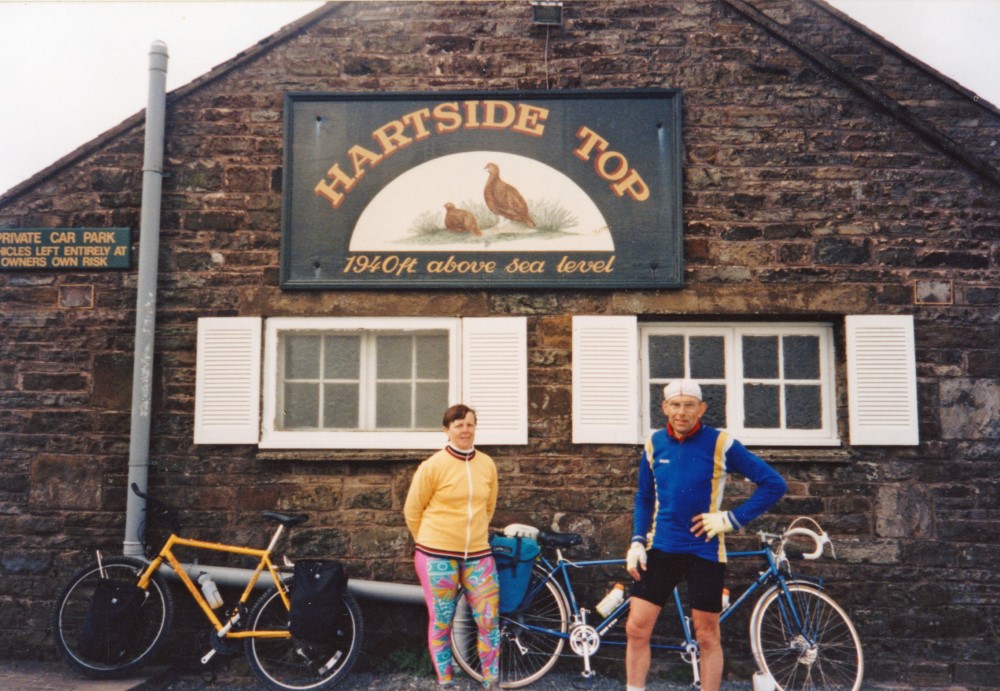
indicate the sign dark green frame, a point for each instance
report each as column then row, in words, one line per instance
column 67, row 249
column 528, row 189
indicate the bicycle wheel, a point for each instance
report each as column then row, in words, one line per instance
column 824, row 653
column 116, row 653
column 526, row 655
column 290, row 663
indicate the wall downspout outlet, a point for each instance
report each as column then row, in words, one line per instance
column 145, row 316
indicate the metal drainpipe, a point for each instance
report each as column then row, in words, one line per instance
column 145, row 313
column 403, row 593
column 142, row 368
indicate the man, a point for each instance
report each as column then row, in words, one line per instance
column 678, row 516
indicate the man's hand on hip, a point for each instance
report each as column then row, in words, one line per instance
column 711, row 524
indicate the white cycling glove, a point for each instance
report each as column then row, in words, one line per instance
column 636, row 556
column 716, row 523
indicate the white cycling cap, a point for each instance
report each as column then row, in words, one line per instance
column 682, row 387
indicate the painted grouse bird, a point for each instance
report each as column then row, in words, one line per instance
column 504, row 200
column 460, row 220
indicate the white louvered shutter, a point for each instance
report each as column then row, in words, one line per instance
column 882, row 380
column 605, row 380
column 495, row 377
column 227, row 384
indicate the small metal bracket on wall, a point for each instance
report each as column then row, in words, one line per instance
column 546, row 12
column 931, row 292
column 76, row 296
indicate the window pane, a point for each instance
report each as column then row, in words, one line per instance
column 302, row 357
column 432, row 358
column 801, row 357
column 666, row 358
column 760, row 357
column 803, row 407
column 341, row 357
column 714, row 396
column 760, row 406
column 432, row 400
column 395, row 357
column 708, row 357
column 340, row 406
column 393, row 406
column 301, row 406
column 656, row 417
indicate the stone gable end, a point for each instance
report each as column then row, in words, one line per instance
column 825, row 174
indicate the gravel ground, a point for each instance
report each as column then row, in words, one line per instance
column 556, row 681
column 559, row 681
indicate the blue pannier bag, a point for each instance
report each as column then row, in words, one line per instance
column 514, row 557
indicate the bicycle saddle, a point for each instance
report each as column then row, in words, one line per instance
column 559, row 540
column 286, row 519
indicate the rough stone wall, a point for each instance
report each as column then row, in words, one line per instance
column 802, row 199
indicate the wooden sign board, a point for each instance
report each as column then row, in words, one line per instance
column 75, row 249
column 505, row 190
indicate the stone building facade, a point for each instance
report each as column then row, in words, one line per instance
column 826, row 175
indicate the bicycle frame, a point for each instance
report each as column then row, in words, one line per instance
column 264, row 557
column 798, row 633
column 560, row 573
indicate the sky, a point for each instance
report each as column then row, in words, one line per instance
column 70, row 70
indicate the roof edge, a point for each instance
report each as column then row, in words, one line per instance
column 876, row 96
column 138, row 120
column 907, row 57
column 831, row 66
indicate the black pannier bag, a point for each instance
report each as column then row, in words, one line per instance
column 318, row 589
column 110, row 621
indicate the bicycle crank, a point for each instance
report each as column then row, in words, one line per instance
column 584, row 640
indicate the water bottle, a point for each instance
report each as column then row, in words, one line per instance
column 614, row 598
column 725, row 599
column 210, row 591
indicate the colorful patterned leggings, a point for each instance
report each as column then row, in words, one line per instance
column 442, row 581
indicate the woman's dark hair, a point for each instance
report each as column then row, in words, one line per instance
column 457, row 412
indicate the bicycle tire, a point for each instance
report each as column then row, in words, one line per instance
column 138, row 646
column 525, row 656
column 835, row 662
column 290, row 663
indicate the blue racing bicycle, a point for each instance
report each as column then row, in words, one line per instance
column 800, row 637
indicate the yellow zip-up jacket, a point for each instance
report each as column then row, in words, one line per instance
column 451, row 502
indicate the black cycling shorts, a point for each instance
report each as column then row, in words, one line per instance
column 664, row 572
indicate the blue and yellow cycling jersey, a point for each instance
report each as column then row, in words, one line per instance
column 679, row 479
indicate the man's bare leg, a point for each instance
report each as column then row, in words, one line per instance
column 639, row 628
column 706, row 630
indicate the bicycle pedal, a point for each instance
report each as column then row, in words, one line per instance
column 224, row 648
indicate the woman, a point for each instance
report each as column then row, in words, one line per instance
column 448, row 511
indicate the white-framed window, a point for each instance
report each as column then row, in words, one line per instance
column 766, row 384
column 332, row 382
column 359, row 382
column 769, row 384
